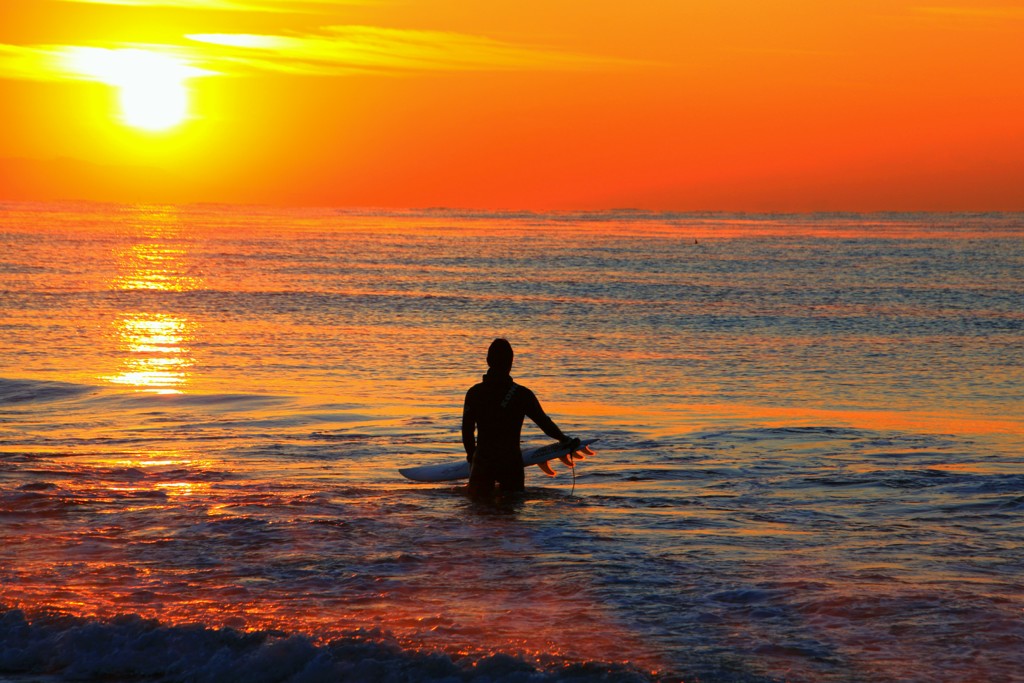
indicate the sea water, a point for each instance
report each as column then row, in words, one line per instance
column 811, row 464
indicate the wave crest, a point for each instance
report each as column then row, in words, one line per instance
column 76, row 648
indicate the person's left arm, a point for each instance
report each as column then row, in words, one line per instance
column 535, row 412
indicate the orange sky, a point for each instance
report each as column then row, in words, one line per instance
column 781, row 105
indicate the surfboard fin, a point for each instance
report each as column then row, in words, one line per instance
column 580, row 454
column 546, row 468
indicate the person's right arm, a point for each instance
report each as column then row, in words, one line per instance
column 469, row 426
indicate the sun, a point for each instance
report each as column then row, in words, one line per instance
column 152, row 86
column 156, row 104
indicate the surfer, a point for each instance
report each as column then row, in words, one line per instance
column 492, row 419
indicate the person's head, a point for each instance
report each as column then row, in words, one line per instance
column 499, row 355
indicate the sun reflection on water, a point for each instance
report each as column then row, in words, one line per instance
column 155, row 347
column 158, row 354
column 153, row 266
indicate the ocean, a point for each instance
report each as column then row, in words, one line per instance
column 810, row 467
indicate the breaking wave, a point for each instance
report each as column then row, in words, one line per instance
column 130, row 647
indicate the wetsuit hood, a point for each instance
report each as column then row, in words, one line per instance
column 497, row 377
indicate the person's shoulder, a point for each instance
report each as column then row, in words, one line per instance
column 524, row 391
column 475, row 389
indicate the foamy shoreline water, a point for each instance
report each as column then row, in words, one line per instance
column 129, row 648
column 810, row 466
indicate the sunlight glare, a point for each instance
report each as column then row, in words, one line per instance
column 152, row 85
column 154, row 106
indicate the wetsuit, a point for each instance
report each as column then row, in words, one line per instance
column 495, row 408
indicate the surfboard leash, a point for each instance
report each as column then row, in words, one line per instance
column 573, row 468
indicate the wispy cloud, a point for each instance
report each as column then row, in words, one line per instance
column 17, row 61
column 343, row 49
column 283, row 6
column 36, row 63
column 332, row 51
column 78, row 63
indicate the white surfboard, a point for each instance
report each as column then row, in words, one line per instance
column 459, row 469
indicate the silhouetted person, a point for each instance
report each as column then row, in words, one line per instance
column 495, row 409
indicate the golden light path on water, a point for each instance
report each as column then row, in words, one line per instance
column 156, row 346
column 157, row 353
